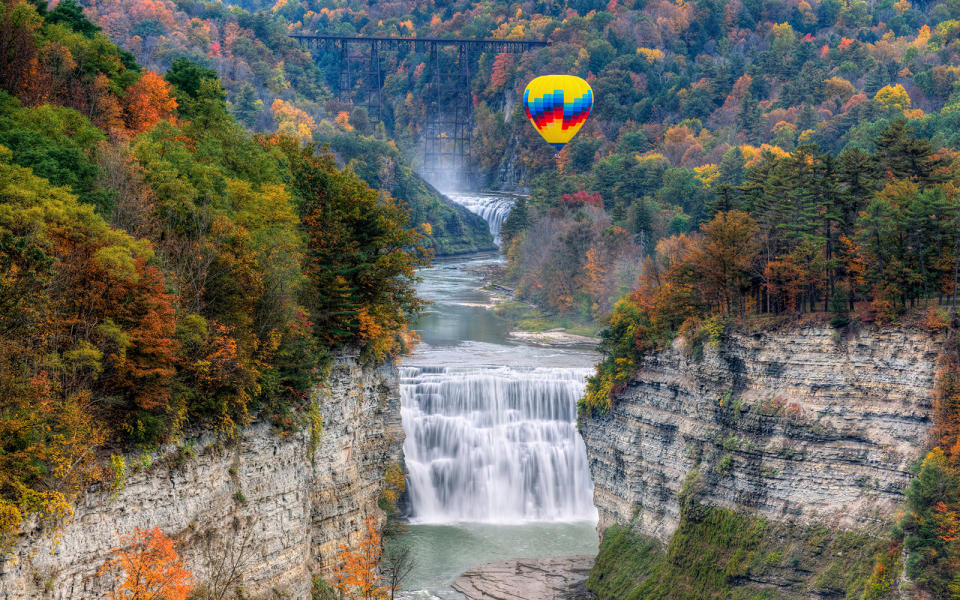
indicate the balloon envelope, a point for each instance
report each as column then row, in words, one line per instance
column 557, row 105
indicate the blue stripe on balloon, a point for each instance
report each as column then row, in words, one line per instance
column 550, row 101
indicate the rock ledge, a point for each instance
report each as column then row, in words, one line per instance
column 560, row 578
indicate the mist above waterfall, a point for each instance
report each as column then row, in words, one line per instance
column 495, row 444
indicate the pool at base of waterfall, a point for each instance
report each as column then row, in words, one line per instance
column 442, row 552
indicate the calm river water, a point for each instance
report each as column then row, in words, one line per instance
column 496, row 467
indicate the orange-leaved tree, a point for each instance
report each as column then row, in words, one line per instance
column 148, row 101
column 145, row 566
column 358, row 571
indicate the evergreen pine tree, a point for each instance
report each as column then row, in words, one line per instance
column 619, row 213
column 248, row 105
column 830, row 212
column 749, row 116
column 876, row 79
column 731, row 168
column 641, row 221
column 724, row 199
column 807, row 118
column 904, row 156
column 857, row 180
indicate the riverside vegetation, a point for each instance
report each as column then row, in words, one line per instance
column 164, row 271
column 748, row 163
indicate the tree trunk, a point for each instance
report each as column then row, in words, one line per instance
column 956, row 269
column 828, row 293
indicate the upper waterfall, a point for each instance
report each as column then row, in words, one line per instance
column 493, row 209
column 495, row 444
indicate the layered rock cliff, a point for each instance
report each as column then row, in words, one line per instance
column 257, row 506
column 802, row 426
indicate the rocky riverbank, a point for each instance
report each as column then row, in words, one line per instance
column 560, row 578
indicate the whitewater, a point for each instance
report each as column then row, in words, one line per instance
column 496, row 468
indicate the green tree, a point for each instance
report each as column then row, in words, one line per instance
column 360, row 257
column 731, row 167
column 928, row 560
column 903, row 155
column 69, row 13
column 247, row 106
column 516, row 222
column 198, row 92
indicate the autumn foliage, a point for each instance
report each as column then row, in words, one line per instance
column 145, row 566
column 932, row 522
column 351, row 230
column 61, row 59
column 357, row 576
column 147, row 101
column 156, row 271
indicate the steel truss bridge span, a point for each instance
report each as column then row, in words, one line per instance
column 447, row 132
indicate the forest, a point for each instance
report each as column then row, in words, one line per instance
column 164, row 269
column 751, row 163
column 690, row 96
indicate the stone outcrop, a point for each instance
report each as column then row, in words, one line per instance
column 560, row 578
column 803, row 425
column 259, row 501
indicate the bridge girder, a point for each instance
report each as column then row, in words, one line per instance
column 447, row 133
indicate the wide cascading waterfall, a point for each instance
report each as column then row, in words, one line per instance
column 493, row 209
column 494, row 444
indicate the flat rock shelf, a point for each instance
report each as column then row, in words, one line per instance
column 559, row 578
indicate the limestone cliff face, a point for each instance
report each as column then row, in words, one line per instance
column 259, row 503
column 798, row 425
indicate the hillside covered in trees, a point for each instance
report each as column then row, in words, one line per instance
column 273, row 84
column 748, row 163
column 689, row 97
column 163, row 269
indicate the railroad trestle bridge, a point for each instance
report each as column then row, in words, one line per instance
column 447, row 132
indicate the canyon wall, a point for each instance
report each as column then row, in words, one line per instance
column 259, row 502
column 804, row 426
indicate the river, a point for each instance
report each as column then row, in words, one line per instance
column 496, row 467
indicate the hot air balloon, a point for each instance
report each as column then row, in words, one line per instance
column 557, row 105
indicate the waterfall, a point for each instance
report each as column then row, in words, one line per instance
column 493, row 209
column 494, row 444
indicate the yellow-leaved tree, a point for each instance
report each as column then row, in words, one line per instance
column 893, row 96
column 292, row 121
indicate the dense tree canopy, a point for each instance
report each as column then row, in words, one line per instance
column 163, row 269
column 763, row 159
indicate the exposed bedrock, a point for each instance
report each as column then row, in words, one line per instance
column 800, row 425
column 259, row 501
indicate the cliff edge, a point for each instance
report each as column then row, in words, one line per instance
column 257, row 506
column 805, row 427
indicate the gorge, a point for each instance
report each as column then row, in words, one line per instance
column 262, row 501
column 803, row 429
column 708, row 349
column 496, row 468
